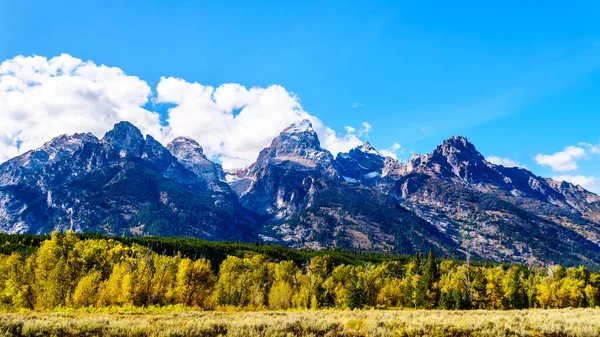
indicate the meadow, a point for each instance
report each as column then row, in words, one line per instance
column 555, row 323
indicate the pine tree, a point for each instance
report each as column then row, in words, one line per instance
column 515, row 296
column 427, row 294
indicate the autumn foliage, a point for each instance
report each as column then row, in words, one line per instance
column 69, row 272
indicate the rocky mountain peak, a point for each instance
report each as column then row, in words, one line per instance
column 299, row 143
column 366, row 147
column 191, row 155
column 61, row 147
column 299, row 127
column 456, row 157
column 156, row 152
column 185, row 148
column 69, row 141
column 125, row 139
column 362, row 163
column 392, row 168
column 67, row 144
column 458, row 145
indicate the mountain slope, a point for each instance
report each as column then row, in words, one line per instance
column 280, row 182
column 362, row 164
column 121, row 184
column 505, row 214
column 451, row 200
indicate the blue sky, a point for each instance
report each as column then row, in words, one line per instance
column 519, row 79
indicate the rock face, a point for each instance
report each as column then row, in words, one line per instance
column 451, row 200
column 191, row 155
column 282, row 180
column 121, row 184
column 505, row 214
column 362, row 164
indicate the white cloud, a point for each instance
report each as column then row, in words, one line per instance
column 588, row 182
column 42, row 98
column 366, row 127
column 392, row 151
column 592, row 148
column 364, row 131
column 506, row 162
column 356, row 105
column 206, row 114
column 563, row 161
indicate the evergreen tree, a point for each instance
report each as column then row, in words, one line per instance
column 427, row 294
column 515, row 296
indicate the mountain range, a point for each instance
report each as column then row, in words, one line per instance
column 298, row 194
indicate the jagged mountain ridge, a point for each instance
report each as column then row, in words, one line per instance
column 300, row 192
column 115, row 185
column 451, row 200
column 362, row 164
column 498, row 212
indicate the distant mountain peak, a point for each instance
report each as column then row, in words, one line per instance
column 366, row 147
column 67, row 142
column 459, row 146
column 125, row 127
column 126, row 139
column 185, row 140
column 187, row 145
column 458, row 141
column 361, row 164
column 299, row 127
column 66, row 138
column 298, row 139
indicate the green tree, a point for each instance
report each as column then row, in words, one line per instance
column 244, row 281
column 195, row 283
column 427, row 293
column 312, row 292
column 515, row 296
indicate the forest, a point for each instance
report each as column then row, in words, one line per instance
column 66, row 270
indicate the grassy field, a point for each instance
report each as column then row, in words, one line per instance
column 555, row 323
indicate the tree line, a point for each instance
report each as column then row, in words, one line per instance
column 67, row 271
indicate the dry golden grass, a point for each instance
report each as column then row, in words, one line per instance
column 555, row 323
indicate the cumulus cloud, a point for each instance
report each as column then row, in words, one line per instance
column 506, row 162
column 563, row 161
column 207, row 114
column 590, row 183
column 364, row 131
column 41, row 98
column 392, row 151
